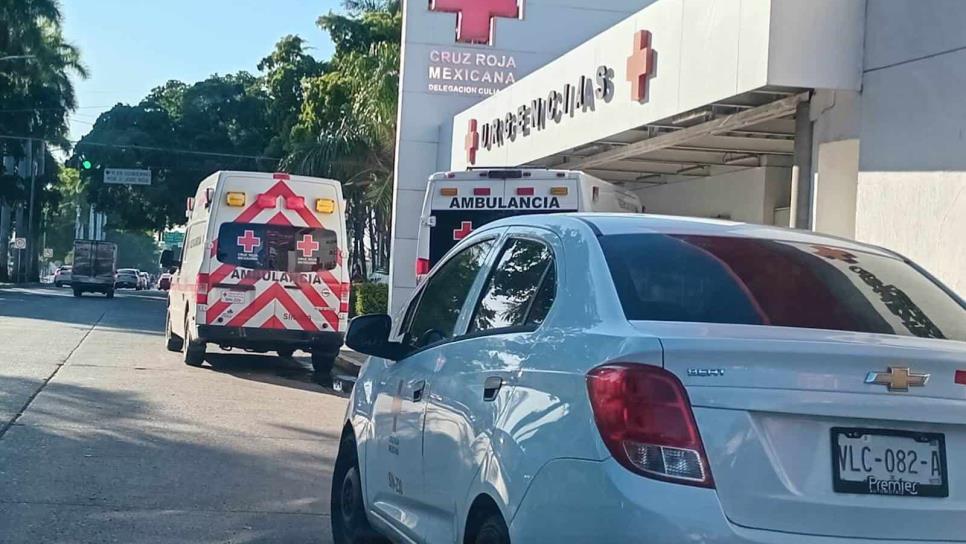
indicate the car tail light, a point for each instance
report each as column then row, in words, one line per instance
column 202, row 294
column 961, row 377
column 644, row 417
column 422, row 267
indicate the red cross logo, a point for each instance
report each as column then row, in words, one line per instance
column 476, row 17
column 466, row 227
column 249, row 241
column 472, row 142
column 307, row 245
column 640, row 65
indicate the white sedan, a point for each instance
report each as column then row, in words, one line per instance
column 608, row 379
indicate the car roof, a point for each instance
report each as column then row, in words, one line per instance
column 607, row 224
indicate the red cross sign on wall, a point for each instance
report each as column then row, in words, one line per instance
column 307, row 245
column 472, row 142
column 249, row 241
column 477, row 17
column 640, row 65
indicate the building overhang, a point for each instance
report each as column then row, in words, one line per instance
column 681, row 88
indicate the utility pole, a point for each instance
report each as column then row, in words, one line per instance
column 31, row 216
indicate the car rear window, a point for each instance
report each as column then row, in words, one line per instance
column 711, row 279
column 277, row 247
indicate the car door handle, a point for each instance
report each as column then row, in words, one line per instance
column 491, row 387
column 417, row 389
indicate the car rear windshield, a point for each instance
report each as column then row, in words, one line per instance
column 712, row 279
column 277, row 247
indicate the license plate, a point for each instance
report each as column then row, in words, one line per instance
column 887, row 462
column 234, row 297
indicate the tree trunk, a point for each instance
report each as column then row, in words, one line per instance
column 5, row 218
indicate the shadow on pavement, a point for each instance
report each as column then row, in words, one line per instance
column 274, row 370
column 81, row 466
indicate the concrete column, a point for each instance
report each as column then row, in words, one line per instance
column 801, row 207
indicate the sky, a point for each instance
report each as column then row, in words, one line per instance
column 132, row 46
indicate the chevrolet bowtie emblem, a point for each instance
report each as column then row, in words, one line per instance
column 897, row 379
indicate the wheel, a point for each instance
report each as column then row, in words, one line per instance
column 492, row 530
column 78, row 293
column 110, row 294
column 286, row 353
column 322, row 363
column 349, row 522
column 194, row 351
column 172, row 341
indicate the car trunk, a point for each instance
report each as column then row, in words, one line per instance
column 769, row 400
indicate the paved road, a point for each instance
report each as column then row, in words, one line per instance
column 107, row 437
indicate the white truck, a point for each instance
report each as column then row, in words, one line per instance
column 459, row 202
column 262, row 268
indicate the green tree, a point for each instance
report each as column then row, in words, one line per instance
column 347, row 125
column 36, row 96
column 181, row 133
column 285, row 71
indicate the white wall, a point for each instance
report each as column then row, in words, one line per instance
column 749, row 196
column 834, row 188
column 912, row 166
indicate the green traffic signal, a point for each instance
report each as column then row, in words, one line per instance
column 86, row 165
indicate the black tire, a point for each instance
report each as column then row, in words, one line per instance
column 172, row 341
column 78, row 293
column 349, row 522
column 194, row 351
column 286, row 353
column 492, row 530
column 110, row 294
column 323, row 363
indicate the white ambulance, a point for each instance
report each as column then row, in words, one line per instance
column 262, row 268
column 459, row 202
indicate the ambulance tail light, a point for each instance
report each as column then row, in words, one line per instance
column 559, row 191
column 235, row 200
column 266, row 201
column 481, row 191
column 449, row 191
column 325, row 205
column 295, row 203
column 422, row 267
column 524, row 191
column 204, row 280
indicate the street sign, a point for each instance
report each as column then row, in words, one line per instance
column 124, row 176
column 20, row 243
column 48, row 253
column 174, row 238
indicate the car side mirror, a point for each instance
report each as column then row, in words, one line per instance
column 369, row 334
column 168, row 260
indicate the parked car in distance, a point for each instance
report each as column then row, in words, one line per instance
column 164, row 282
column 629, row 378
column 128, row 278
column 62, row 276
column 145, row 281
